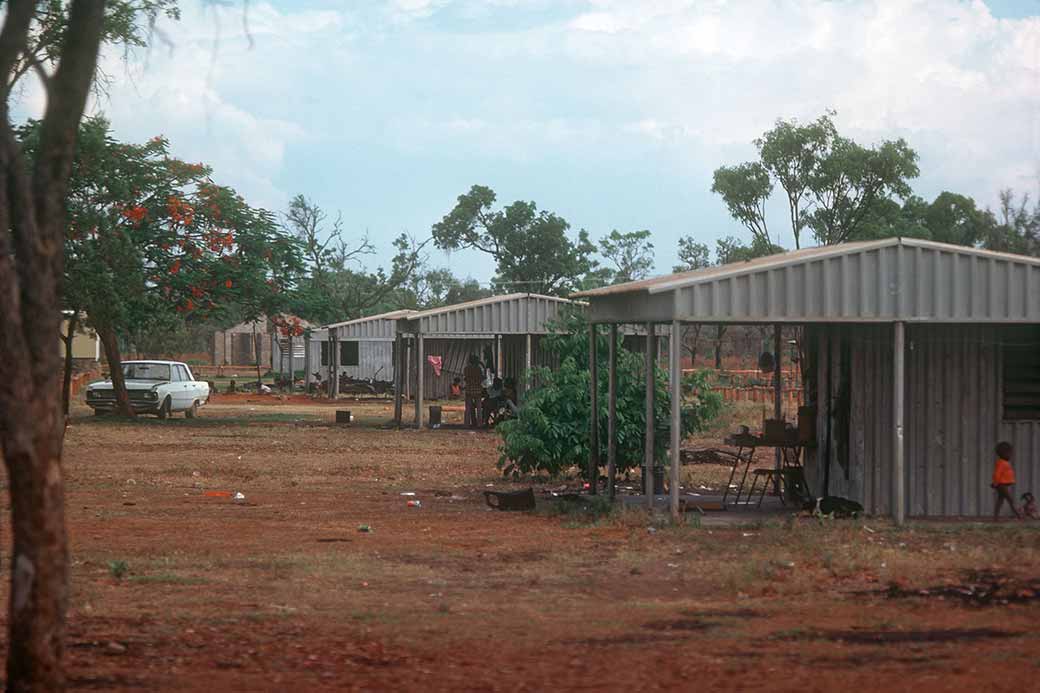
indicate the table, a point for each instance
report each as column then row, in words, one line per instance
column 747, row 444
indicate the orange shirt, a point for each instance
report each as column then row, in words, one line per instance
column 1003, row 473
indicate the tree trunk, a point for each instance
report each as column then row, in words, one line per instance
column 66, row 383
column 110, row 343
column 691, row 341
column 32, row 227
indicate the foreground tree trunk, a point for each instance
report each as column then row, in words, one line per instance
column 66, row 384
column 32, row 228
column 110, row 343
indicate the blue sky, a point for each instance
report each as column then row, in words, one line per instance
column 611, row 113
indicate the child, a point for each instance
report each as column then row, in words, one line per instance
column 1004, row 479
column 456, row 388
column 1029, row 506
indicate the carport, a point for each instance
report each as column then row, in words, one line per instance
column 511, row 327
column 916, row 352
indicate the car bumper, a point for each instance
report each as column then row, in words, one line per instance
column 136, row 407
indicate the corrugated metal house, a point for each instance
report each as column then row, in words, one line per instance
column 505, row 331
column 924, row 356
column 362, row 349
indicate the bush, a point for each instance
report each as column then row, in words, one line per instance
column 551, row 431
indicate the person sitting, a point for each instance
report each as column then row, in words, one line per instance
column 494, row 401
column 509, row 393
column 456, row 388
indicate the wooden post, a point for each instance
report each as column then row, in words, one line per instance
column 328, row 363
column 407, row 376
column 527, row 363
column 648, row 445
column 398, row 377
column 898, row 403
column 500, row 361
column 334, row 360
column 778, row 400
column 594, row 414
column 420, row 371
column 612, row 412
column 307, row 363
column 676, row 427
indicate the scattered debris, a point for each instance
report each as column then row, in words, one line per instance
column 364, row 528
column 979, row 588
column 114, row 647
column 239, row 496
column 414, row 504
column 510, row 500
column 703, row 457
column 217, row 494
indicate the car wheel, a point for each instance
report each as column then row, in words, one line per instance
column 193, row 410
column 164, row 410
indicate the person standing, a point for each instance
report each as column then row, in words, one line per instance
column 474, row 381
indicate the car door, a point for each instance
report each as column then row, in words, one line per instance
column 175, row 389
column 187, row 387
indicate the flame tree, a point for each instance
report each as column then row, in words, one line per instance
column 152, row 240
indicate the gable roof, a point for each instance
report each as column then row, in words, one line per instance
column 886, row 280
column 519, row 313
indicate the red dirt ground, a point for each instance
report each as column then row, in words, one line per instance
column 283, row 591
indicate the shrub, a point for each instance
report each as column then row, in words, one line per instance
column 551, row 431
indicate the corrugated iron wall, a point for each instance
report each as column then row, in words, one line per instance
column 953, row 418
column 455, row 353
column 375, row 360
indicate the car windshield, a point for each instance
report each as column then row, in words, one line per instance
column 146, row 371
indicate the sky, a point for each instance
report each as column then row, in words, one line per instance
column 611, row 113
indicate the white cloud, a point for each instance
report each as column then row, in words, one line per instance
column 663, row 91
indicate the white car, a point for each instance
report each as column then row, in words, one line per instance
column 155, row 387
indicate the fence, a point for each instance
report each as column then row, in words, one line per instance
column 756, row 386
column 81, row 380
column 789, row 397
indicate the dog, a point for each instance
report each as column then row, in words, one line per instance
column 833, row 505
column 1029, row 506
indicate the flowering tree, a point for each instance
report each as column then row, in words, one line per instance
column 151, row 238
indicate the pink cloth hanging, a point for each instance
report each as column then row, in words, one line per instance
column 437, row 362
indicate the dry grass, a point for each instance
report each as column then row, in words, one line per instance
column 433, row 594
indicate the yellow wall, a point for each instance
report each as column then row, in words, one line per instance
column 85, row 344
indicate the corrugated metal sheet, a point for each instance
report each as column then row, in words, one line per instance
column 455, row 353
column 954, row 418
column 882, row 281
column 510, row 314
column 383, row 326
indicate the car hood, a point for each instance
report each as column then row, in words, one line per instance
column 130, row 385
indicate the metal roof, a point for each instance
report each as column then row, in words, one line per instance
column 871, row 281
column 509, row 314
column 380, row 326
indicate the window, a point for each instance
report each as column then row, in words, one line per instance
column 1022, row 374
column 182, row 372
column 324, row 353
column 349, row 354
